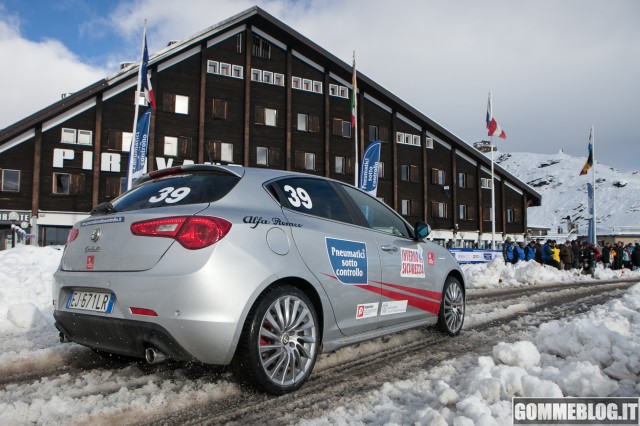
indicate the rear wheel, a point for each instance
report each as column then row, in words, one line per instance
column 452, row 307
column 279, row 342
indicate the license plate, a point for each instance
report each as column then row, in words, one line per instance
column 91, row 301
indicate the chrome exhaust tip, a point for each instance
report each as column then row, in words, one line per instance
column 154, row 356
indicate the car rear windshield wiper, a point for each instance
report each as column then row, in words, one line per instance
column 103, row 208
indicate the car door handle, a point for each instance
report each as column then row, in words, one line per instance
column 391, row 249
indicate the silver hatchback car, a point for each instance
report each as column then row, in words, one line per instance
column 257, row 268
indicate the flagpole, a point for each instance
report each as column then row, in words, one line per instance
column 493, row 198
column 135, row 109
column 354, row 111
column 593, row 182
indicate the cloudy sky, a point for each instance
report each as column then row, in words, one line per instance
column 555, row 67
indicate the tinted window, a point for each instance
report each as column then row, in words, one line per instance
column 176, row 190
column 315, row 197
column 378, row 216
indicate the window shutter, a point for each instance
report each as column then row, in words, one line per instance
column 114, row 139
column 169, row 102
column 184, row 147
column 383, row 134
column 414, row 174
column 220, row 109
column 471, row 212
column 434, row 176
column 434, row 209
column 314, row 123
column 337, row 127
column 350, row 166
column 274, row 157
column 299, row 159
column 259, row 115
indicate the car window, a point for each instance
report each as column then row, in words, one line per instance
column 378, row 216
column 313, row 196
column 179, row 189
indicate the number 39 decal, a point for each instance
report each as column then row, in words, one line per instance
column 170, row 195
column 298, row 197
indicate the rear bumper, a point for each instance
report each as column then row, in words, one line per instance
column 120, row 336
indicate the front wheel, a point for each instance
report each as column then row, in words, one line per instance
column 279, row 342
column 451, row 315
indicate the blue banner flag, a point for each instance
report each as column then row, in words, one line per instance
column 370, row 168
column 139, row 146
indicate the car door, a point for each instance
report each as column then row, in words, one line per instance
column 345, row 260
column 408, row 287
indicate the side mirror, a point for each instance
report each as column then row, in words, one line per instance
column 420, row 231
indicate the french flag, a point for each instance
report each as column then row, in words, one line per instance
column 145, row 79
column 492, row 124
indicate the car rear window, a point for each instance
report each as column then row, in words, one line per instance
column 178, row 189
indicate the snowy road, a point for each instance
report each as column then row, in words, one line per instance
column 44, row 382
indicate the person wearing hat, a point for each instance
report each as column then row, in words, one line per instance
column 566, row 255
column 508, row 250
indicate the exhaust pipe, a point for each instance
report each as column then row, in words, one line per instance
column 154, row 356
column 63, row 338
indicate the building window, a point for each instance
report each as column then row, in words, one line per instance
column 405, row 207
column 217, row 151
column 303, row 122
column 340, row 164
column 407, row 139
column 341, row 128
column 278, row 79
column 438, row 210
column 225, row 69
column 373, row 133
column 410, row 173
column 306, row 84
column 486, row 214
column 261, row 48
column 428, row 143
column 85, row 137
column 213, row 67
column 380, row 169
column 343, row 92
column 68, row 184
column 237, row 71
column 462, row 212
column 305, row 160
column 10, row 180
column 404, row 172
column 333, row 90
column 175, row 103
column 462, row 180
column 182, row 104
column 177, row 146
column 296, row 83
column 116, row 185
column 119, row 141
column 220, row 109
column 267, row 77
column 438, row 177
column 510, row 216
column 266, row 116
column 256, row 74
column 485, row 183
column 317, row 87
column 262, row 156
column 239, row 44
column 68, row 136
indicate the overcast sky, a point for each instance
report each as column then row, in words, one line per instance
column 555, row 67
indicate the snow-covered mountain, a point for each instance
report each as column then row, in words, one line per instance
column 564, row 192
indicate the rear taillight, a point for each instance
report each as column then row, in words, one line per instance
column 192, row 232
column 73, row 234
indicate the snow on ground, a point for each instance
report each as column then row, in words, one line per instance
column 593, row 354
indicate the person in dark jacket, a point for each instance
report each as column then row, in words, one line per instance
column 566, row 255
column 635, row 257
column 539, row 250
column 617, row 257
column 588, row 258
column 575, row 250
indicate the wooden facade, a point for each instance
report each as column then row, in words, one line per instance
column 255, row 92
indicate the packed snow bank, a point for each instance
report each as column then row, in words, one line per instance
column 498, row 274
column 592, row 355
column 26, row 282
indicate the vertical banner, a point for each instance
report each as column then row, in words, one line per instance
column 370, row 168
column 591, row 237
column 139, row 146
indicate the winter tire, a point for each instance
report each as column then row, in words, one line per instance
column 279, row 342
column 452, row 307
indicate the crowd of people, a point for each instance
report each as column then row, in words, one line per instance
column 572, row 254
